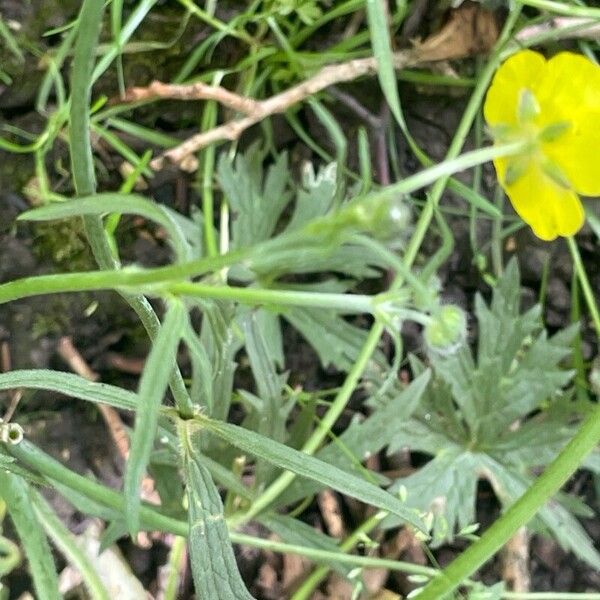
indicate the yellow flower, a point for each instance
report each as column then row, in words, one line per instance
column 555, row 106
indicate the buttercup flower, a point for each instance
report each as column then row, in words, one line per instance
column 554, row 105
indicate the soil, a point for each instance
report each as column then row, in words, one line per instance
column 102, row 327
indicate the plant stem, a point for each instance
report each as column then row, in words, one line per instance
column 586, row 288
column 174, row 567
column 519, row 513
column 561, row 8
column 67, row 545
column 124, row 278
column 90, row 22
column 346, row 303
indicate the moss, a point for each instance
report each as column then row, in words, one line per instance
column 63, row 242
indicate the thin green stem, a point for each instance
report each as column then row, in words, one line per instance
column 347, row 303
column 90, row 22
column 560, row 8
column 550, row 596
column 102, row 280
column 440, row 173
column 518, row 514
column 209, row 120
column 586, row 288
column 174, row 568
column 72, row 282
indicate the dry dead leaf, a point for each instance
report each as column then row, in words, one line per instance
column 470, row 30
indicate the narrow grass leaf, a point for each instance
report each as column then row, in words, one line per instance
column 153, row 384
column 17, row 495
column 67, row 544
column 307, row 466
column 382, row 49
column 101, row 204
column 214, row 567
column 69, row 385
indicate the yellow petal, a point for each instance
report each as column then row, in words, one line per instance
column 577, row 153
column 570, row 91
column 568, row 86
column 548, row 208
column 520, row 71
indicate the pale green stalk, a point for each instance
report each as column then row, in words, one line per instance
column 90, row 22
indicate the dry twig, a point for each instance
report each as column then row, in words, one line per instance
column 469, row 30
column 515, row 562
column 255, row 110
column 15, row 395
column 111, row 417
column 563, row 27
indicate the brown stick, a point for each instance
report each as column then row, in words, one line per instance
column 515, row 559
column 77, row 363
column 564, row 27
column 195, row 91
column 256, row 111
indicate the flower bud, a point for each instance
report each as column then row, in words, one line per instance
column 447, row 329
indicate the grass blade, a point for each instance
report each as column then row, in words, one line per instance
column 153, row 384
column 382, row 50
column 69, row 385
column 17, row 495
column 101, row 204
column 67, row 545
column 214, row 567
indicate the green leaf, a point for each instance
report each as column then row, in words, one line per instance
column 269, row 324
column 315, row 197
column 218, row 337
column 214, row 567
column 337, row 342
column 152, row 386
column 382, row 50
column 67, row 544
column 101, row 204
column 363, row 439
column 496, row 415
column 70, row 385
column 201, row 390
column 257, row 204
column 446, row 486
column 17, row 496
column 312, row 468
column 271, row 410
